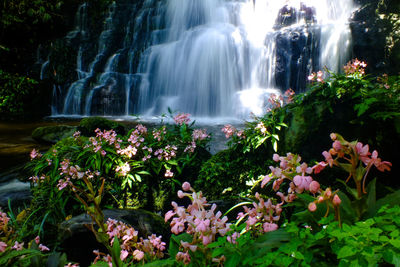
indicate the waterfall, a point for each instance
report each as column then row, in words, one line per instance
column 210, row 58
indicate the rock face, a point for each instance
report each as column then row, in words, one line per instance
column 375, row 29
column 299, row 47
column 79, row 242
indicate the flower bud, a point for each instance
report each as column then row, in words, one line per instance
column 186, row 186
column 314, row 187
column 336, row 200
column 333, row 136
column 312, row 207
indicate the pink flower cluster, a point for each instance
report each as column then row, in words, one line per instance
column 230, row 130
column 167, row 153
column 35, row 154
column 200, row 134
column 123, row 170
column 131, row 245
column 275, row 101
column 357, row 155
column 262, row 217
column 159, row 134
column 319, row 77
column 288, row 96
column 105, row 137
column 297, row 173
column 262, row 128
column 197, row 221
column 182, row 118
column 72, row 172
column 36, row 179
column 355, row 67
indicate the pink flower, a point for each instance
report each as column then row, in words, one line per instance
column 37, row 240
column 333, row 136
column 266, row 179
column 228, row 130
column 168, row 173
column 319, row 167
column 181, row 194
column 275, row 157
column 314, row 187
column 18, row 246
column 138, row 255
column 328, row 158
column 3, row 246
column 124, row 254
column 269, row 227
column 186, row 186
column 43, row 248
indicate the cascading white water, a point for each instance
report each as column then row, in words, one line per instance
column 210, row 58
column 219, row 57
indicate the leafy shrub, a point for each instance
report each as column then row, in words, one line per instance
column 15, row 92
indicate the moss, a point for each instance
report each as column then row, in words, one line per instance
column 52, row 134
column 88, row 125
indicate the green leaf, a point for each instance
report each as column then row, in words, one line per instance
column 346, row 251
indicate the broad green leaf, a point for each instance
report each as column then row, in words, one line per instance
column 346, row 251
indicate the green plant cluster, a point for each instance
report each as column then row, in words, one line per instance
column 16, row 93
column 145, row 182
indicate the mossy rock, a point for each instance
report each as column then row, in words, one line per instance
column 87, row 126
column 53, row 134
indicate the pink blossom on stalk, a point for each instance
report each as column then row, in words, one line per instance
column 3, row 246
column 182, row 118
column 186, row 186
column 37, row 240
column 336, row 200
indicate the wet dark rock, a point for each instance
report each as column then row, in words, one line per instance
column 375, row 30
column 79, row 242
column 298, row 53
column 52, row 134
column 289, row 15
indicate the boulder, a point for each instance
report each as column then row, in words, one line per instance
column 79, row 242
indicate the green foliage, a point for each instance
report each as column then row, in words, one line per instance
column 15, row 93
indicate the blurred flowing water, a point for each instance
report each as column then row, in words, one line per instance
column 209, row 58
